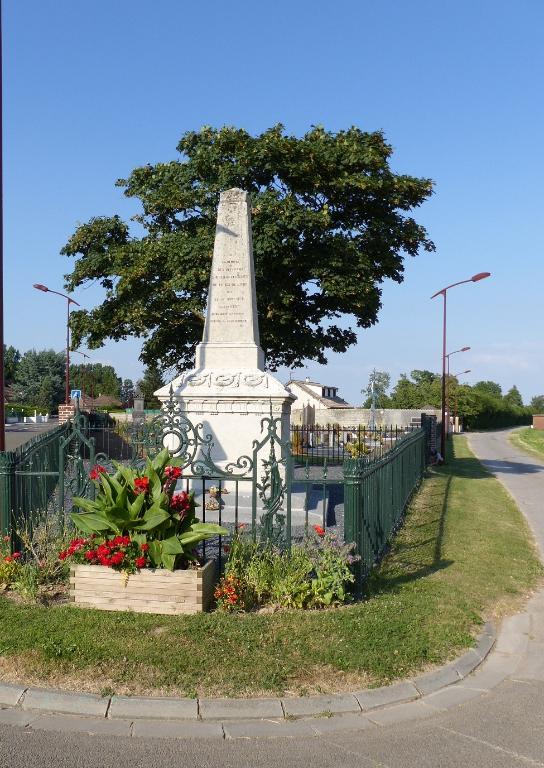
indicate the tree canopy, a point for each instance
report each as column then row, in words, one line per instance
column 95, row 379
column 330, row 223
column 40, row 378
column 148, row 385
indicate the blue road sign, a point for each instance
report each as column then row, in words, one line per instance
column 75, row 394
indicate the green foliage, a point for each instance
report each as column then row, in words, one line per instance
column 379, row 382
column 27, row 582
column 127, row 393
column 537, row 404
column 513, row 398
column 490, row 388
column 331, row 221
column 481, row 406
column 357, row 449
column 423, row 391
column 312, row 575
column 143, row 505
column 96, row 378
column 40, row 379
column 9, row 566
column 12, row 358
column 151, row 381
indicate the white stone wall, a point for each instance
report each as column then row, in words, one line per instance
column 352, row 417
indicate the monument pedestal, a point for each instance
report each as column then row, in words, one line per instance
column 228, row 391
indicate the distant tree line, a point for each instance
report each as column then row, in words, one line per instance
column 37, row 378
column 481, row 406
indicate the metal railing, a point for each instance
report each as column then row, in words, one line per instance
column 29, row 476
column 376, row 496
column 333, row 444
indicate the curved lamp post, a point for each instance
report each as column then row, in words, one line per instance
column 85, row 357
column 45, row 289
column 456, row 376
column 455, row 351
column 443, row 292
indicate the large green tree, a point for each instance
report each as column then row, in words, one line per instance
column 95, row 378
column 40, row 378
column 378, row 382
column 330, row 223
column 12, row 358
column 537, row 404
column 147, row 386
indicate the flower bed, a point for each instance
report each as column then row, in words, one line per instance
column 139, row 526
column 154, row 590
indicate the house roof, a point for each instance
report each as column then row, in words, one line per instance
column 328, row 402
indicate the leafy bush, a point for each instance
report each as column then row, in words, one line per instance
column 9, row 563
column 357, row 449
column 144, row 507
column 312, row 575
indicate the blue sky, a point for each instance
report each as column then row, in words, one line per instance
column 93, row 90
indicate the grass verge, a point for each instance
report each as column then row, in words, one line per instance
column 464, row 554
column 529, row 440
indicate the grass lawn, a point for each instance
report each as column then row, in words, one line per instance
column 465, row 554
column 529, row 440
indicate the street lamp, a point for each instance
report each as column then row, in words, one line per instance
column 45, row 289
column 85, row 357
column 443, row 292
column 455, row 351
column 455, row 376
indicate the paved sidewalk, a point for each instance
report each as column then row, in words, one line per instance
column 492, row 717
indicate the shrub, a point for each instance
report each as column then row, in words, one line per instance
column 311, row 575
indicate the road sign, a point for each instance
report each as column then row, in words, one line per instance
column 75, row 394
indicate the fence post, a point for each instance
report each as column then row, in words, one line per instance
column 7, row 489
column 427, row 426
column 353, row 513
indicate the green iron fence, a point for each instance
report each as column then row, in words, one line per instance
column 333, row 444
column 362, row 501
column 376, row 497
column 29, row 476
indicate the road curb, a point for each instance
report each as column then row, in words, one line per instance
column 139, row 717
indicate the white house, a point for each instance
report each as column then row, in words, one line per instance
column 314, row 402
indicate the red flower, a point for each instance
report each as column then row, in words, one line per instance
column 141, row 485
column 140, row 562
column 226, row 549
column 117, row 558
column 172, row 473
column 144, row 547
column 241, row 526
column 8, row 559
column 16, row 555
column 63, row 555
column 319, row 530
column 119, row 541
column 181, row 503
column 90, row 554
column 96, row 471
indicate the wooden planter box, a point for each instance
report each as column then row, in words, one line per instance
column 147, row 591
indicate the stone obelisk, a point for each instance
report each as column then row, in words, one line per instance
column 229, row 391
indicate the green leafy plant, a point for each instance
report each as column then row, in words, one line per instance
column 312, row 575
column 9, row 563
column 27, row 582
column 357, row 449
column 145, row 507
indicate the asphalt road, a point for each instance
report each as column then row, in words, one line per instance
column 502, row 728
column 18, row 434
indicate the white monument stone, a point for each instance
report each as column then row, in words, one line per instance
column 229, row 391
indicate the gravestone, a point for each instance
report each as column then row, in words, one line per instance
column 229, row 391
column 138, row 412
